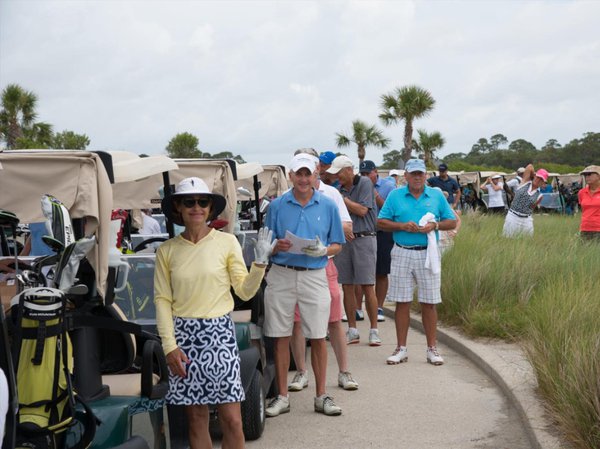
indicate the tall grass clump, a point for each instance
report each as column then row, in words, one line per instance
column 542, row 291
column 563, row 343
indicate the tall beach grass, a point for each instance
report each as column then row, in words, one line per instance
column 543, row 291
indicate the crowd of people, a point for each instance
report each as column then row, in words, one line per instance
column 379, row 238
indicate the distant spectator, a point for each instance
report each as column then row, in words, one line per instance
column 589, row 201
column 516, row 181
column 494, row 188
column 150, row 224
column 447, row 184
column 395, row 176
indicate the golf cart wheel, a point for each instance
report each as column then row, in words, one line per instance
column 253, row 408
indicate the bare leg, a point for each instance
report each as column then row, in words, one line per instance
column 358, row 296
column 381, row 288
column 230, row 418
column 371, row 303
column 298, row 346
column 338, row 343
column 349, row 304
column 402, row 318
column 198, row 416
column 318, row 358
column 429, row 318
column 282, row 363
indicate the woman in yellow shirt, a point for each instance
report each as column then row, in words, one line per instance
column 192, row 281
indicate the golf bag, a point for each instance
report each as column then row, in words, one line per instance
column 42, row 356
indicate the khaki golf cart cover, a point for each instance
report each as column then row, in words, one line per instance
column 272, row 178
column 146, row 193
column 77, row 178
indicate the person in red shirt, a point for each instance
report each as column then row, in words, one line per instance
column 589, row 201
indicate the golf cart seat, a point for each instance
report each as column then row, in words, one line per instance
column 120, row 354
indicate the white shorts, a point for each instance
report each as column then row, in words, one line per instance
column 286, row 288
column 408, row 271
column 515, row 225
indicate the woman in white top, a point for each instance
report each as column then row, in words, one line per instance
column 494, row 187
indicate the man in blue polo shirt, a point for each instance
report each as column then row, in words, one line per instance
column 298, row 276
column 404, row 213
column 447, row 184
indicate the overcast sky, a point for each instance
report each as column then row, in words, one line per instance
column 261, row 79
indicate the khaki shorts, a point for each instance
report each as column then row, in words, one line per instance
column 286, row 288
column 335, row 311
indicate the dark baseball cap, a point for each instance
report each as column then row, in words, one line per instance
column 442, row 167
column 367, row 167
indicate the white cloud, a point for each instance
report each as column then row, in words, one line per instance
column 262, row 78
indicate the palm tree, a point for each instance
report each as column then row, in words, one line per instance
column 406, row 103
column 428, row 144
column 363, row 135
column 17, row 114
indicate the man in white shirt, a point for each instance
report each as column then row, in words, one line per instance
column 149, row 225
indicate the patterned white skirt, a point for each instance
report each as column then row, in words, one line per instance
column 213, row 372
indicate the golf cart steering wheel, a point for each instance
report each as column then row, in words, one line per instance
column 143, row 244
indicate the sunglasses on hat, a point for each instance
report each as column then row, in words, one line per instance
column 191, row 202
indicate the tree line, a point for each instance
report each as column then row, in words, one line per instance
column 20, row 130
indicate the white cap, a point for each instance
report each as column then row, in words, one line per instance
column 303, row 160
column 339, row 163
column 394, row 172
column 496, row 176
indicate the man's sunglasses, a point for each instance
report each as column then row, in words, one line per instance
column 191, row 202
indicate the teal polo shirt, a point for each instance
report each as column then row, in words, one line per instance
column 401, row 206
column 319, row 217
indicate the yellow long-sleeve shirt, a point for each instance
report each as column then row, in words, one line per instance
column 193, row 280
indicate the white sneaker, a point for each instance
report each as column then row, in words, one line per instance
column 374, row 339
column 278, row 405
column 299, row 382
column 380, row 315
column 360, row 315
column 400, row 355
column 324, row 404
column 344, row 318
column 352, row 336
column 434, row 357
column 346, row 381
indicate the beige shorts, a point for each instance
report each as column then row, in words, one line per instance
column 286, row 288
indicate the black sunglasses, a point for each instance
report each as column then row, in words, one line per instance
column 191, row 202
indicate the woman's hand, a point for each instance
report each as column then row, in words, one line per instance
column 177, row 360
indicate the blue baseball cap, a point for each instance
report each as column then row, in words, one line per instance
column 415, row 165
column 327, row 157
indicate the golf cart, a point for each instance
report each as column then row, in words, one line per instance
column 136, row 300
column 112, row 378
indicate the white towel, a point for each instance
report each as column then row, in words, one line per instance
column 432, row 262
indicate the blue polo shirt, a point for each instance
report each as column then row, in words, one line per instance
column 384, row 187
column 449, row 185
column 401, row 206
column 320, row 217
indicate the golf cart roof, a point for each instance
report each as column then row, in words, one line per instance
column 138, row 179
column 77, row 178
column 272, row 178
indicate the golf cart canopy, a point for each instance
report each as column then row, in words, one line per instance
column 77, row 178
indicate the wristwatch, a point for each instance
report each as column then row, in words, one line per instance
column 437, row 226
